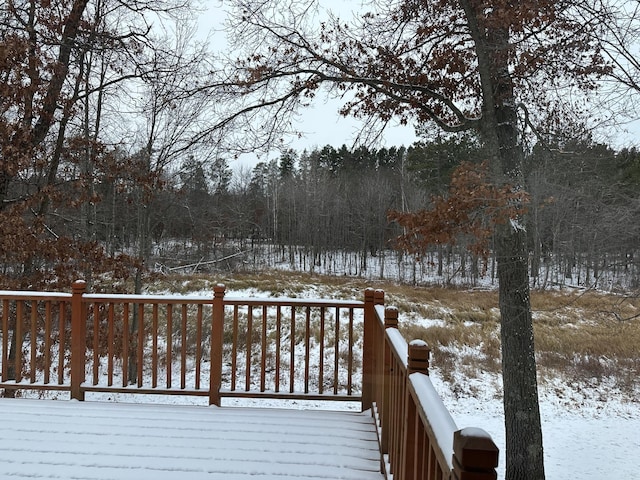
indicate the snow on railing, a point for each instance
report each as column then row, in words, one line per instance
column 214, row 347
column 418, row 437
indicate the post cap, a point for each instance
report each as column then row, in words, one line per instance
column 79, row 286
column 418, row 357
column 391, row 317
column 474, row 449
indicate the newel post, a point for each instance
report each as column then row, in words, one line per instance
column 418, row 359
column 78, row 341
column 217, row 332
column 368, row 349
column 390, row 321
column 474, row 455
column 371, row 299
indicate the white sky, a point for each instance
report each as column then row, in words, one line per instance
column 322, row 125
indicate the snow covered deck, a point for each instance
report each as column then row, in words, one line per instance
column 222, row 347
column 94, row 440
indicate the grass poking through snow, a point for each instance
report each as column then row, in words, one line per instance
column 582, row 338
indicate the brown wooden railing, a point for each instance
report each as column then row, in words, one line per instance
column 222, row 346
column 216, row 346
column 417, row 435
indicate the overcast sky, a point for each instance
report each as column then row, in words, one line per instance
column 322, row 125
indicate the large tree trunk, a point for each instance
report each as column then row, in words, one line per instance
column 523, row 431
column 524, row 452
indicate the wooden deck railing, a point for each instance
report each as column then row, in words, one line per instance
column 417, row 435
column 216, row 346
column 221, row 346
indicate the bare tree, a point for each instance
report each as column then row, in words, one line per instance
column 619, row 39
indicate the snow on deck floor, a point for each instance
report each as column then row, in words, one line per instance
column 94, row 440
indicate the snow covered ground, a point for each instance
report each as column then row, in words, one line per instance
column 587, row 442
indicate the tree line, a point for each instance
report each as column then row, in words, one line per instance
column 327, row 209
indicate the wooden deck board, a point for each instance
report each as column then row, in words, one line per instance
column 100, row 441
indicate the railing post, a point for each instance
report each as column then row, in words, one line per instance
column 78, row 341
column 217, row 332
column 417, row 362
column 378, row 297
column 474, row 455
column 368, row 349
column 371, row 299
column 390, row 321
column 378, row 352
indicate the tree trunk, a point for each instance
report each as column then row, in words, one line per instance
column 523, row 429
column 499, row 129
column 524, row 451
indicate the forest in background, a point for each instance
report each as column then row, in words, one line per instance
column 303, row 208
column 109, row 165
column 326, row 210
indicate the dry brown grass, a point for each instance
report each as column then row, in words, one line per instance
column 580, row 336
column 588, row 336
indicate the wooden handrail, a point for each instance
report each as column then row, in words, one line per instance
column 160, row 344
column 418, row 437
column 182, row 345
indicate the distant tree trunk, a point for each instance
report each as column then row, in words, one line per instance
column 133, row 332
column 144, row 254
